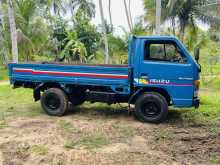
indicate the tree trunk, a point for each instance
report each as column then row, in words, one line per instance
column 110, row 13
column 182, row 31
column 158, row 16
column 13, row 31
column 130, row 15
column 173, row 25
column 127, row 15
column 104, row 32
column 4, row 57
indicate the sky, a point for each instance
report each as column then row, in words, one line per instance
column 119, row 16
column 118, row 13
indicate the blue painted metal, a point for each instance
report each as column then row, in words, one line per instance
column 177, row 79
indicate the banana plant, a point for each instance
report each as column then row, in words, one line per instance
column 74, row 50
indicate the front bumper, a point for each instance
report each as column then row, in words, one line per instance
column 196, row 102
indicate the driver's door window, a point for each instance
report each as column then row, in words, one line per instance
column 167, row 52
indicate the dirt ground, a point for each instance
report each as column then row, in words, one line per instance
column 105, row 137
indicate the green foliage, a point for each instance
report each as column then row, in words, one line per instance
column 3, row 74
column 32, row 30
column 186, row 12
column 86, row 7
column 117, row 49
column 86, row 33
column 45, row 28
column 74, row 50
column 139, row 29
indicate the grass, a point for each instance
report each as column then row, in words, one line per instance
column 67, row 127
column 88, row 142
column 124, row 129
column 209, row 112
column 214, row 159
column 3, row 124
column 3, row 74
column 39, row 149
column 17, row 103
column 164, row 134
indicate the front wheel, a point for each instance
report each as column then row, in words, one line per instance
column 151, row 107
column 54, row 102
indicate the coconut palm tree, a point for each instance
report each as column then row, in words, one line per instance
column 13, row 31
column 130, row 14
column 32, row 29
column 110, row 13
column 189, row 11
column 186, row 12
column 127, row 15
column 87, row 6
column 158, row 16
column 104, row 32
column 57, row 6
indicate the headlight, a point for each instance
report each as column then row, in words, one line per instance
column 197, row 84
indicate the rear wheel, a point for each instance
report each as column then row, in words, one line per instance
column 54, row 102
column 151, row 107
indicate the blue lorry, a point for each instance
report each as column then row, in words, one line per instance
column 160, row 73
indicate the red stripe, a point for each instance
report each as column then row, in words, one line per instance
column 88, row 75
column 71, row 74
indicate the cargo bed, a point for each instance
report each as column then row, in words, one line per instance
column 114, row 76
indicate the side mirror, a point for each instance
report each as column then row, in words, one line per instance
column 197, row 53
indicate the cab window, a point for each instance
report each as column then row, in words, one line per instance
column 167, row 52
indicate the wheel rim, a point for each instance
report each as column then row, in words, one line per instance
column 150, row 109
column 52, row 102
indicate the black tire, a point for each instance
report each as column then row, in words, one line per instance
column 77, row 97
column 54, row 102
column 151, row 107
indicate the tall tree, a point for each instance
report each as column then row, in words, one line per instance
column 127, row 15
column 13, row 31
column 86, row 33
column 104, row 32
column 158, row 16
column 130, row 14
column 56, row 6
column 33, row 32
column 87, row 6
column 185, row 12
column 189, row 11
column 110, row 13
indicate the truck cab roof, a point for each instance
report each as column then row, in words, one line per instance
column 156, row 37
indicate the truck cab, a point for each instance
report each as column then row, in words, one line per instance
column 164, row 63
column 160, row 73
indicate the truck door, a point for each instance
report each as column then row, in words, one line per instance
column 164, row 64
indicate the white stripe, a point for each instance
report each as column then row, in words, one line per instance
column 17, row 69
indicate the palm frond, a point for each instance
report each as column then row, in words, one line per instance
column 207, row 17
